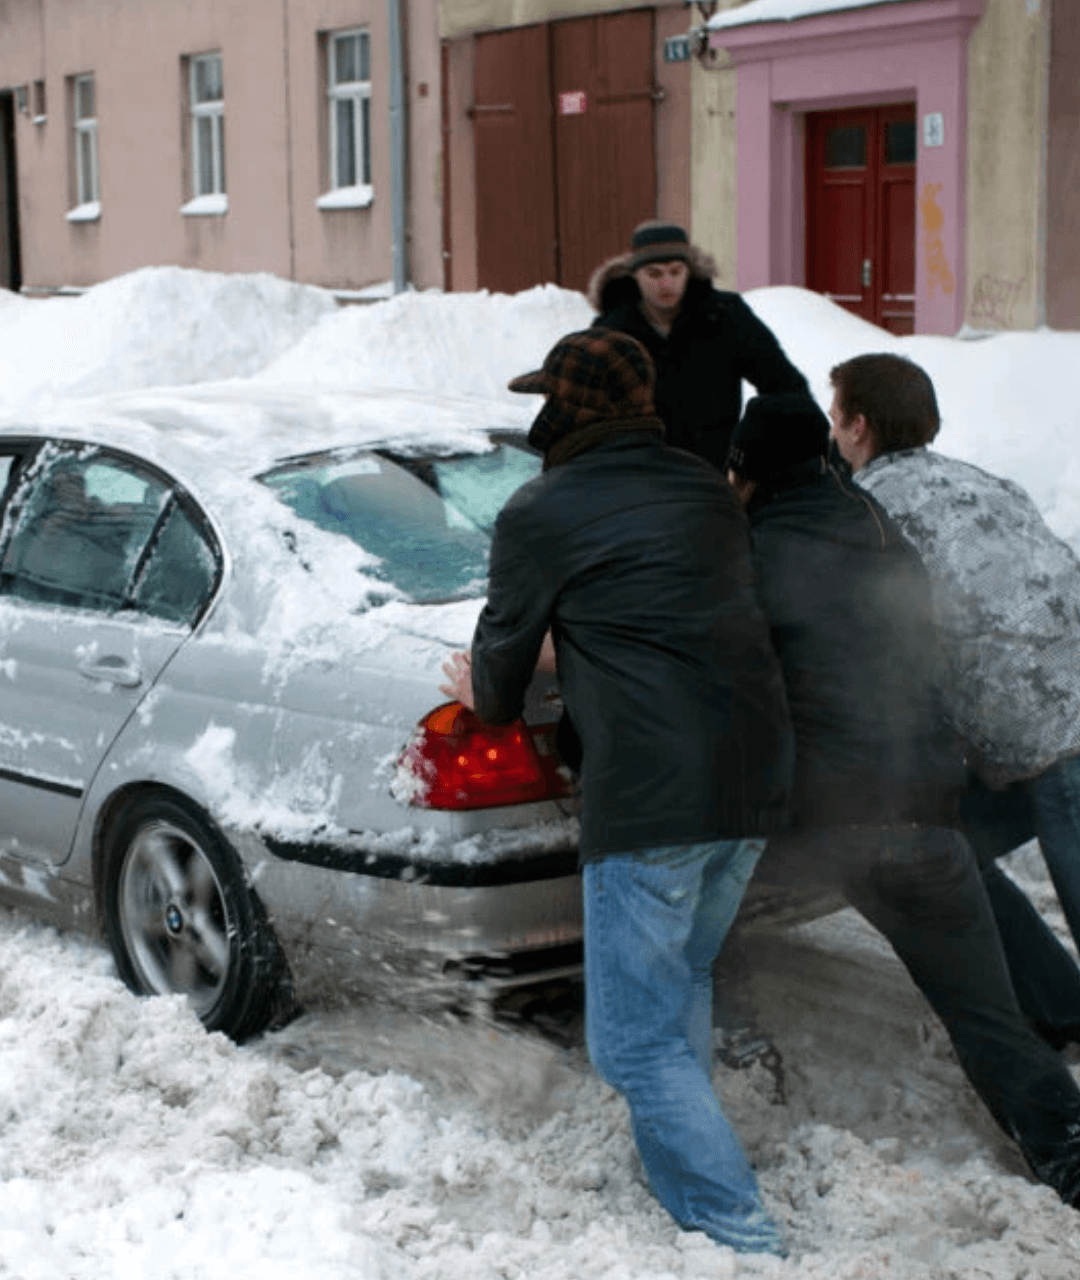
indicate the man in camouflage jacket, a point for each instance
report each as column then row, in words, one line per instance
column 1007, row 607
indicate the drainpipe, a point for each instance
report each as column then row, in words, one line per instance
column 399, row 151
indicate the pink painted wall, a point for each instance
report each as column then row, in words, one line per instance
column 275, row 148
column 885, row 53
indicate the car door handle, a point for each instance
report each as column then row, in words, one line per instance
column 112, row 668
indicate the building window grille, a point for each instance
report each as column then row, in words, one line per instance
column 349, row 89
column 86, row 140
column 207, row 92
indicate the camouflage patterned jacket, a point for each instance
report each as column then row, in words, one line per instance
column 1006, row 601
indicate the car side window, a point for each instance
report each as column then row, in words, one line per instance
column 84, row 523
column 7, row 468
column 180, row 571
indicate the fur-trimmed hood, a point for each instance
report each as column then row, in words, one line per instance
column 613, row 283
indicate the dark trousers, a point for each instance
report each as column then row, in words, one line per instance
column 1044, row 974
column 921, row 888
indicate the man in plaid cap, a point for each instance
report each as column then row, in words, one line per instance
column 636, row 557
column 703, row 341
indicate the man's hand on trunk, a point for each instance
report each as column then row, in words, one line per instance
column 458, row 672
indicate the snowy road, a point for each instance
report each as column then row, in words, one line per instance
column 371, row 1144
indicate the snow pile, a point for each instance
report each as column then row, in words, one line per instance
column 1007, row 400
column 465, row 344
column 158, row 325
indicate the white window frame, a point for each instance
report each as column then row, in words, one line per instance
column 213, row 200
column 85, row 128
column 343, row 193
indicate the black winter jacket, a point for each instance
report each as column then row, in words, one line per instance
column 715, row 342
column 638, row 557
column 849, row 607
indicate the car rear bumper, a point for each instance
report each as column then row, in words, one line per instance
column 356, row 920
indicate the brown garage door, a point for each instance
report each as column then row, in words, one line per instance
column 515, row 197
column 565, row 151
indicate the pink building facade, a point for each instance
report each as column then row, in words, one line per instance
column 230, row 135
column 886, row 53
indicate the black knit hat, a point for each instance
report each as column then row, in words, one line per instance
column 776, row 433
column 587, row 377
column 658, row 242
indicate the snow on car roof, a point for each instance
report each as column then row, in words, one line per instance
column 213, row 375
column 210, row 435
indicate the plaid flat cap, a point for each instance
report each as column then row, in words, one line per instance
column 587, row 377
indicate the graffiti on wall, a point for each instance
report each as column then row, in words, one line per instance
column 992, row 301
column 938, row 272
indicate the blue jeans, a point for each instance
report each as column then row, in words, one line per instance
column 654, row 923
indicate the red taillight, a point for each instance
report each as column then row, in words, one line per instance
column 463, row 763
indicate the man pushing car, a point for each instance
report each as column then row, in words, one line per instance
column 636, row 557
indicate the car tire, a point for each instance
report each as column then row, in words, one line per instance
column 180, row 917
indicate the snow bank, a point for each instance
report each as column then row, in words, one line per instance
column 159, row 325
column 466, row 344
column 1008, row 401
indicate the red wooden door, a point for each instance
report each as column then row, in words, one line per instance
column 860, row 211
column 605, row 158
column 515, row 195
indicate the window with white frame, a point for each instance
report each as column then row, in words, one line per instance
column 84, row 115
column 207, row 94
column 349, row 90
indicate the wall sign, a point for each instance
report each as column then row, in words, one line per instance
column 933, row 129
column 573, row 104
column 677, row 49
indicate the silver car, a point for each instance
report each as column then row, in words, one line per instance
column 221, row 738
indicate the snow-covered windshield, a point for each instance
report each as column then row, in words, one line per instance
column 427, row 519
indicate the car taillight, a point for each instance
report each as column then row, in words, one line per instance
column 463, row 763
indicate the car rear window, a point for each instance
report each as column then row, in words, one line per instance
column 427, row 519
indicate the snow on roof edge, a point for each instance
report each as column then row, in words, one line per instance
column 786, row 11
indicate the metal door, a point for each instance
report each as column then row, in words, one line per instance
column 604, row 149
column 860, row 203
column 515, row 194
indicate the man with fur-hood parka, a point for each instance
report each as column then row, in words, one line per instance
column 703, row 341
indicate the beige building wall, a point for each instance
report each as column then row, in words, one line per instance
column 1007, row 70
column 714, row 157
column 276, row 161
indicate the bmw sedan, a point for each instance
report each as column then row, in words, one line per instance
column 222, row 744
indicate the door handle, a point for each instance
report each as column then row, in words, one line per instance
column 113, row 669
column 867, row 272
